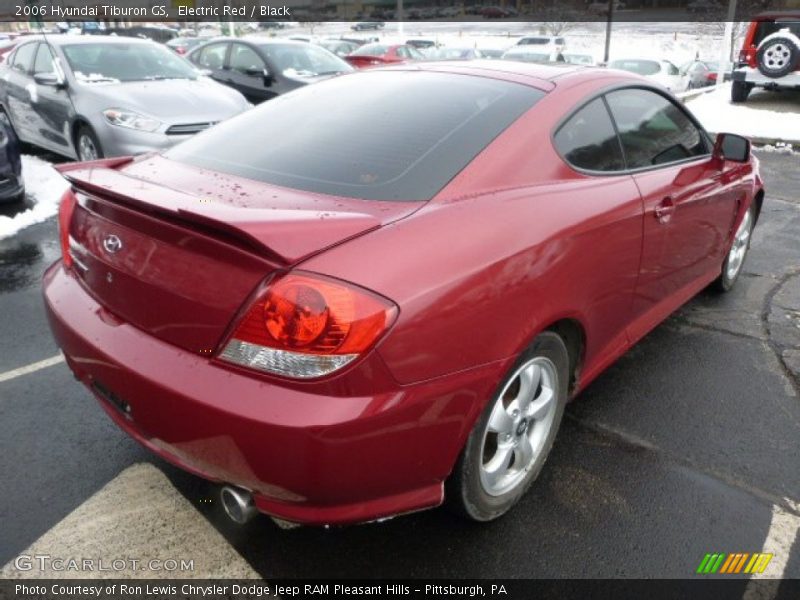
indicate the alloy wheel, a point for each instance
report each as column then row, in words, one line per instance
column 739, row 247
column 777, row 57
column 518, row 426
column 86, row 148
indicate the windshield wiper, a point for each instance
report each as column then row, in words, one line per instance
column 165, row 77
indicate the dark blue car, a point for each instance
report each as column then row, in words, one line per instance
column 12, row 187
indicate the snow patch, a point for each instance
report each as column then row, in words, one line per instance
column 45, row 186
column 718, row 114
column 779, row 148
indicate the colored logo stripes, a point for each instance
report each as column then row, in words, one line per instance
column 740, row 562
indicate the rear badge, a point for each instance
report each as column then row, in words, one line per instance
column 112, row 244
column 109, row 277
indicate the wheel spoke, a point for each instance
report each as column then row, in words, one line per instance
column 524, row 453
column 497, row 467
column 500, row 421
column 528, row 382
column 541, row 406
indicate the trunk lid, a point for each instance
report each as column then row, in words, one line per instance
column 176, row 251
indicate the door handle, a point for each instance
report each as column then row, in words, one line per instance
column 664, row 210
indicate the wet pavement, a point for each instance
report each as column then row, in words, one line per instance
column 689, row 444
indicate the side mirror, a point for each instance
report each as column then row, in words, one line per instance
column 205, row 72
column 48, row 79
column 732, row 147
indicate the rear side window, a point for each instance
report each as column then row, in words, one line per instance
column 653, row 130
column 44, row 60
column 372, row 135
column 23, row 58
column 588, row 140
column 212, row 57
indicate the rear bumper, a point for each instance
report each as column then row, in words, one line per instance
column 754, row 76
column 306, row 457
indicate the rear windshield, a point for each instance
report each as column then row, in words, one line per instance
column 372, row 50
column 377, row 135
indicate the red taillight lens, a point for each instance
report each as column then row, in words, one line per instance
column 307, row 326
column 65, row 211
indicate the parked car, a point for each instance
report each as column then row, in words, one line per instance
column 421, row 44
column 384, row 308
column 262, row 69
column 12, row 186
column 770, row 55
column 534, row 54
column 370, row 55
column 340, row 48
column 556, row 42
column 703, row 73
column 365, row 25
column 182, row 45
column 453, row 53
column 660, row 70
column 109, row 96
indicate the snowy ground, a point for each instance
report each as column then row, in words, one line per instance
column 44, row 187
column 765, row 115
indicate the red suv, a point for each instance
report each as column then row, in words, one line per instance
column 770, row 55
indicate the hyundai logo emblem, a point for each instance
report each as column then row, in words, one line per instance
column 112, row 244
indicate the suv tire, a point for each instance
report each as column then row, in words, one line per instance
column 777, row 57
column 740, row 90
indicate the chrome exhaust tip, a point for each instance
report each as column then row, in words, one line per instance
column 238, row 504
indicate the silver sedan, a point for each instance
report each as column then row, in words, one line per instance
column 91, row 97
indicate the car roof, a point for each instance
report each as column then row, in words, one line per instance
column 542, row 76
column 61, row 40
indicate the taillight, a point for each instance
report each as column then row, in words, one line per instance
column 305, row 326
column 65, row 211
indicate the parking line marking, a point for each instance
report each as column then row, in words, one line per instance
column 138, row 515
column 783, row 530
column 31, row 368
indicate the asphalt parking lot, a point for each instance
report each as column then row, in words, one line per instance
column 688, row 445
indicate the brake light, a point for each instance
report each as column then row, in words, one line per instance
column 305, row 326
column 65, row 211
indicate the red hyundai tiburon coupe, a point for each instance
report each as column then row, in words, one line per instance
column 378, row 292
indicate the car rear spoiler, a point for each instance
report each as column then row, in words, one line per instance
column 287, row 235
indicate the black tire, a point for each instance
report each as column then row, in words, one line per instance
column 464, row 492
column 6, row 120
column 86, row 130
column 777, row 57
column 740, row 90
column 726, row 279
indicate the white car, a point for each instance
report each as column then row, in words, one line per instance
column 659, row 70
column 540, row 42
